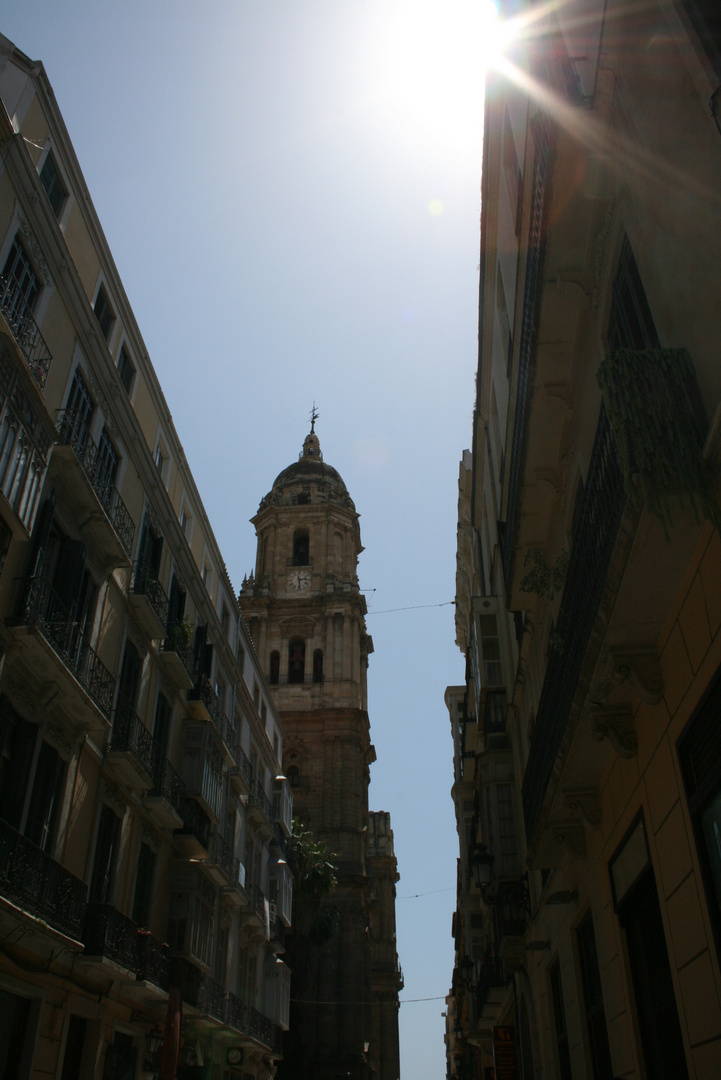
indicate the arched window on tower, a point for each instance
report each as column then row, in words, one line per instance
column 318, row 666
column 296, row 660
column 274, row 673
column 301, row 547
column 293, row 776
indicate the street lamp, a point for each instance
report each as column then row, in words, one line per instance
column 467, row 969
column 480, row 862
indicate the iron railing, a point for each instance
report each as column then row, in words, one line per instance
column 153, row 960
column 257, row 900
column 146, row 584
column 594, row 538
column 492, row 977
column 130, row 735
column 221, row 854
column 75, row 435
column 243, row 765
column 210, row 999
column 33, row 881
column 28, row 338
column 195, row 822
column 235, row 1013
column 42, row 607
column 259, row 798
column 205, row 693
column 263, row 1030
column 109, row 933
column 177, row 642
column 542, row 136
column 228, row 733
column 168, row 785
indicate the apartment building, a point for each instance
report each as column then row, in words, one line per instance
column 143, row 892
column 587, row 761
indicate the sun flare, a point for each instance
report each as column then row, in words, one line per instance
column 435, row 58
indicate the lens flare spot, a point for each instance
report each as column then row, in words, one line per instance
column 436, row 207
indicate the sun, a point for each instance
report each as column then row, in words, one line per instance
column 434, row 58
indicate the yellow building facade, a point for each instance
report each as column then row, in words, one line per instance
column 143, row 893
column 588, row 767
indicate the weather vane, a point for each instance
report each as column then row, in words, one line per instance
column 313, row 417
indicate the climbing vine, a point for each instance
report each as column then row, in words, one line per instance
column 658, row 427
column 544, row 578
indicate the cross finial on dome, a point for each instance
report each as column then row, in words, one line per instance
column 313, row 417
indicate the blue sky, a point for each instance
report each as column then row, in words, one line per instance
column 291, row 192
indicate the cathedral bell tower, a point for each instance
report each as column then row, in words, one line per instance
column 307, row 618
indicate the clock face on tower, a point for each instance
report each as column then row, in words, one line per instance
column 298, row 580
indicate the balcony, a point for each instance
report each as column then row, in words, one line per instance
column 203, row 703
column 26, row 435
column 176, row 657
column 259, row 910
column 241, row 774
column 202, row 768
column 110, row 939
column 55, row 650
column 131, row 751
column 235, row 1014
column 32, row 881
column 264, row 1031
column 221, row 863
column 148, row 602
column 260, row 809
column 229, row 737
column 165, row 799
column 203, row 996
column 152, row 971
column 24, row 330
column 594, row 539
column 101, row 513
column 193, row 839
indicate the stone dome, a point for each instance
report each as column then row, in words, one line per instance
column 311, row 469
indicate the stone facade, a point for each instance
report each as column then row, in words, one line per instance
column 306, row 615
column 587, row 758
column 141, row 892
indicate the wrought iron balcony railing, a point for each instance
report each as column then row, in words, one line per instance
column 110, row 934
column 146, row 584
column 206, row 695
column 492, row 976
column 263, row 1030
column 196, row 822
column 235, row 1013
column 221, row 853
column 168, row 785
column 153, row 960
column 243, row 765
column 42, row 607
column 594, row 538
column 177, row 642
column 130, row 735
column 211, row 998
column 259, row 798
column 28, row 338
column 33, row 881
column 72, row 434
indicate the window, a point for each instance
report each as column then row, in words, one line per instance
column 293, row 775
column 318, row 666
column 107, row 848
column 25, row 284
column 106, row 462
column 559, row 1017
column 301, row 548
column 128, row 681
column 296, row 660
column 46, row 798
column 598, row 1047
column 274, row 674
column 78, row 412
column 225, row 620
column 240, row 656
column 150, row 550
column 256, row 694
column 184, row 521
column 16, row 1035
column 126, row 371
column 142, row 900
column 103, row 313
column 639, row 913
column 50, row 179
